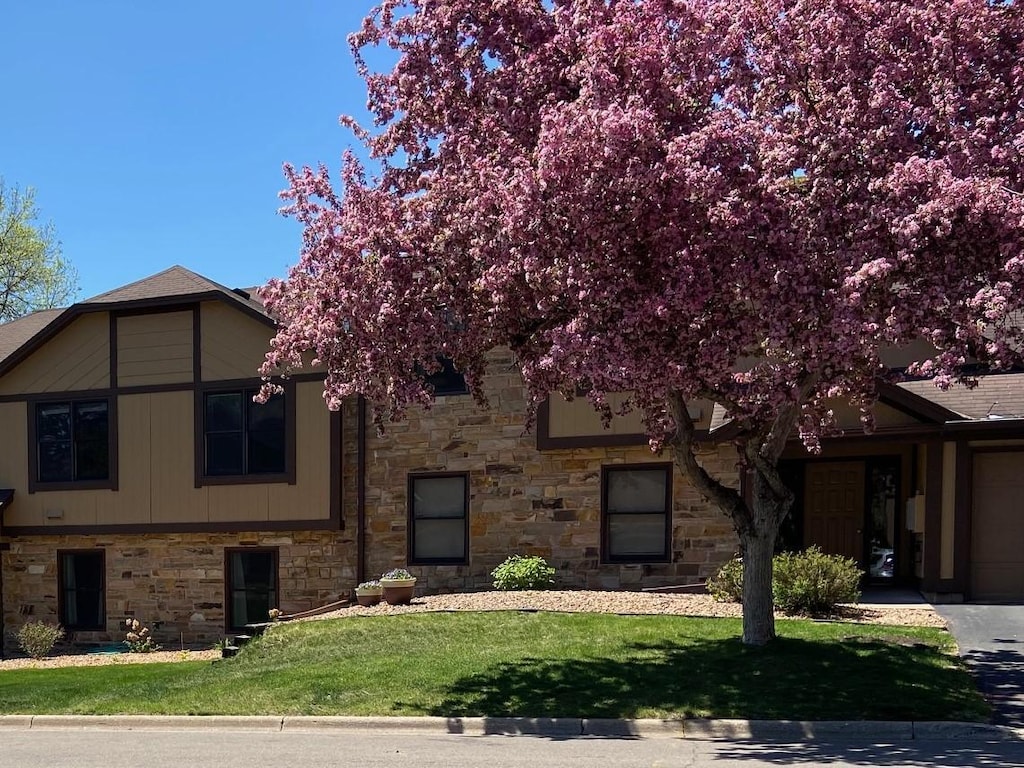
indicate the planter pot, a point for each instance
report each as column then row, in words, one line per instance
column 368, row 598
column 398, row 591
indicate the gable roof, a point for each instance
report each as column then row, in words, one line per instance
column 16, row 332
column 176, row 282
column 176, row 285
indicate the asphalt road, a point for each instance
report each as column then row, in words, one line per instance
column 991, row 641
column 41, row 748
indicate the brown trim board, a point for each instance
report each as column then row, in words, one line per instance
column 962, row 513
column 932, row 517
column 241, row 526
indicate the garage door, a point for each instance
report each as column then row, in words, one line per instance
column 997, row 527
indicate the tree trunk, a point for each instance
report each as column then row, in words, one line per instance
column 758, row 606
column 757, row 521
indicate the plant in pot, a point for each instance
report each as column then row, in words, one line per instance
column 368, row 593
column 398, row 585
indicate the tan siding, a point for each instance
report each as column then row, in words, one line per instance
column 156, row 449
column 54, row 508
column 131, row 503
column 948, row 537
column 76, row 358
column 579, row 419
column 154, row 349
column 14, row 458
column 230, row 503
column 174, row 497
column 310, row 498
column 847, row 416
column 233, row 344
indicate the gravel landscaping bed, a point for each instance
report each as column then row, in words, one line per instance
column 581, row 601
column 576, row 601
column 102, row 659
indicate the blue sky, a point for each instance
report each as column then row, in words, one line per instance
column 154, row 133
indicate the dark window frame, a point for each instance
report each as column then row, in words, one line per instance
column 448, row 382
column 412, row 518
column 606, row 556
column 62, row 600
column 33, row 405
column 229, row 552
column 246, row 389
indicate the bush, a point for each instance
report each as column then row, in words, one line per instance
column 814, row 583
column 808, row 582
column 519, row 572
column 726, row 586
column 137, row 637
column 37, row 638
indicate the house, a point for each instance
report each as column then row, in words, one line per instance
column 138, row 479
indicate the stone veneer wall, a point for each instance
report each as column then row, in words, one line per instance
column 174, row 579
column 523, row 500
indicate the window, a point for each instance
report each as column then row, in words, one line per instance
column 251, row 588
column 447, row 381
column 81, row 588
column 72, row 441
column 437, row 518
column 242, row 437
column 636, row 504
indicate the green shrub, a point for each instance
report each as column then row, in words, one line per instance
column 519, row 572
column 814, row 583
column 808, row 582
column 726, row 586
column 37, row 638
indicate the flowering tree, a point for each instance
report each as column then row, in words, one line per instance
column 734, row 200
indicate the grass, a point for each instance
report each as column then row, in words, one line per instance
column 535, row 664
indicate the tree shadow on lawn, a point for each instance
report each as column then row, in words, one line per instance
column 858, row 679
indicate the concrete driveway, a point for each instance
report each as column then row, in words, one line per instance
column 991, row 640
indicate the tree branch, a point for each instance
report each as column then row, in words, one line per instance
column 728, row 499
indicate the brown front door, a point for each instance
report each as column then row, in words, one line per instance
column 834, row 508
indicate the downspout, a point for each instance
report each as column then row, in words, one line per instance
column 3, row 628
column 5, row 499
column 361, row 492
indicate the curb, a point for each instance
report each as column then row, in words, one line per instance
column 558, row 727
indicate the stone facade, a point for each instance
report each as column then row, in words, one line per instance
column 523, row 500
column 172, row 582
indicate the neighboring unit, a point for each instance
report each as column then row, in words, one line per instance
column 142, row 480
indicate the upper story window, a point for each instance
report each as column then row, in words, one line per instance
column 636, row 514
column 72, row 443
column 447, row 381
column 242, row 438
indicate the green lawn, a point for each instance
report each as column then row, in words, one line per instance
column 535, row 664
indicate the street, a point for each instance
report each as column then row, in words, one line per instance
column 66, row 748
